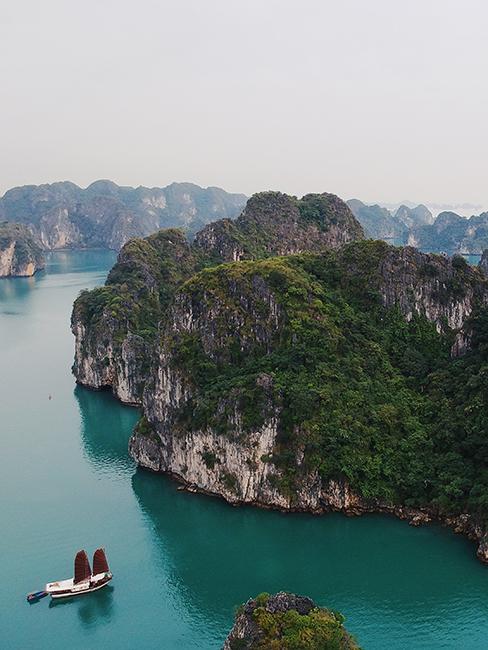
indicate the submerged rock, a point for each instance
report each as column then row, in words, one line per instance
column 287, row 621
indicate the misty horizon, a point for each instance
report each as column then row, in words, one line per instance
column 463, row 209
column 370, row 100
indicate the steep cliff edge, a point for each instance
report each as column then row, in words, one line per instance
column 287, row 621
column 325, row 382
column 20, row 254
column 348, row 379
column 115, row 325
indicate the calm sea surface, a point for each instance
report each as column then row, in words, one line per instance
column 181, row 562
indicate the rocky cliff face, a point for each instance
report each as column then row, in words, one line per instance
column 20, row 254
column 277, row 224
column 108, row 362
column 287, row 621
column 333, row 380
column 227, row 412
column 444, row 290
column 237, row 311
column 412, row 217
column 62, row 215
column 109, row 324
column 114, row 326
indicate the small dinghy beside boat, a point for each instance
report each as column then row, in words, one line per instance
column 84, row 581
column 34, row 596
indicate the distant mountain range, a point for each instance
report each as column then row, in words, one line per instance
column 107, row 215
column 63, row 215
column 415, row 226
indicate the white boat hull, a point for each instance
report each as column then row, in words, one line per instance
column 68, row 588
column 80, row 592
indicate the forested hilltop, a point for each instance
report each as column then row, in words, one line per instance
column 352, row 377
column 287, row 622
column 63, row 215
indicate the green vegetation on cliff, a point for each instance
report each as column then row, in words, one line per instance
column 349, row 350
column 362, row 394
column 115, row 325
column 140, row 285
column 288, row 622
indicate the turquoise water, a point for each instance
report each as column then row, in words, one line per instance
column 181, row 561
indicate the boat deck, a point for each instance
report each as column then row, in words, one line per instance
column 69, row 585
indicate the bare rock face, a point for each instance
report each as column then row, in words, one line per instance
column 111, row 364
column 445, row 290
column 287, row 621
column 20, row 254
column 63, row 215
column 412, row 217
column 482, row 551
column 114, row 326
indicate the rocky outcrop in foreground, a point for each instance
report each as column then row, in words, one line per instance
column 287, row 621
column 63, row 215
column 258, row 364
column 20, row 254
column 350, row 378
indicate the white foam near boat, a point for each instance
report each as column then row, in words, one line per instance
column 84, row 581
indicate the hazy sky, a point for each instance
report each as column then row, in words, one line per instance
column 377, row 99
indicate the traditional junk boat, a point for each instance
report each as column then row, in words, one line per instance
column 84, row 581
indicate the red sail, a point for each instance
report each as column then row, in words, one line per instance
column 100, row 564
column 82, row 567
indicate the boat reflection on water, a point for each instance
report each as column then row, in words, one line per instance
column 200, row 557
column 92, row 608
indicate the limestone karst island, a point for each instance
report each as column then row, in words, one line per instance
column 244, row 325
